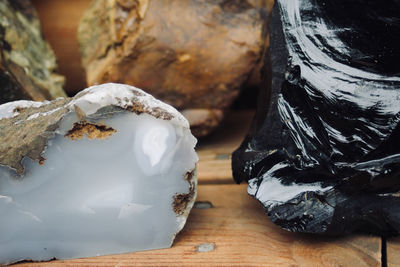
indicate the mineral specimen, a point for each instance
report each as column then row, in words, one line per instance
column 323, row 154
column 27, row 63
column 190, row 54
column 111, row 170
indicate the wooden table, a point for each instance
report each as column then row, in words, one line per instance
column 229, row 228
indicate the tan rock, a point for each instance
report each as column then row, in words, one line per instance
column 191, row 54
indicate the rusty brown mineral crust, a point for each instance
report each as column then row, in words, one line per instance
column 181, row 201
column 26, row 126
column 27, row 63
column 92, row 130
column 190, row 54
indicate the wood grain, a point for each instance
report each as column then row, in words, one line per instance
column 59, row 21
column 393, row 252
column 242, row 236
column 215, row 150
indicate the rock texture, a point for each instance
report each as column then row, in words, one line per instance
column 322, row 155
column 190, row 54
column 111, row 170
column 27, row 63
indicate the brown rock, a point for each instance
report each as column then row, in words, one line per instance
column 203, row 121
column 27, row 63
column 191, row 54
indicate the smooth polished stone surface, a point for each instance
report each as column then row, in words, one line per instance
column 323, row 154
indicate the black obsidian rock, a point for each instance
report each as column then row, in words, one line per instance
column 323, row 153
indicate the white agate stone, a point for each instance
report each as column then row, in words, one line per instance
column 100, row 196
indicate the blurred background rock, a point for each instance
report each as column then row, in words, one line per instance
column 28, row 68
column 196, row 55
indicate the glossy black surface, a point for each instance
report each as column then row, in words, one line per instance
column 327, row 134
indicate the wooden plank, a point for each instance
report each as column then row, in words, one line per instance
column 236, row 232
column 59, row 21
column 393, row 252
column 215, row 150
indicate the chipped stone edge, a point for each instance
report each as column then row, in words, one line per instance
column 10, row 109
column 182, row 217
column 126, row 97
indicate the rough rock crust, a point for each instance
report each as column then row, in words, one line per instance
column 91, row 130
column 181, row 201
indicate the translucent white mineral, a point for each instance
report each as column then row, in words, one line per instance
column 116, row 174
